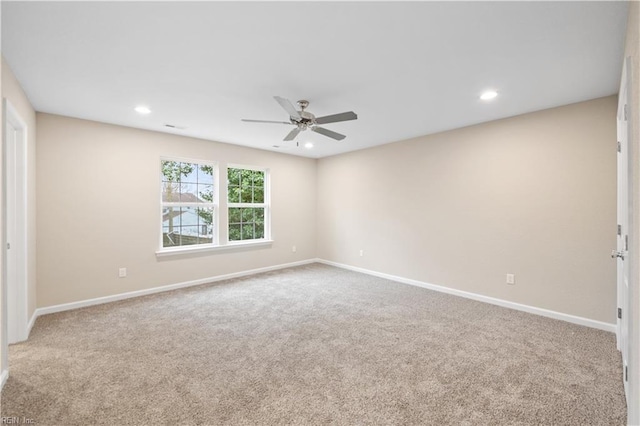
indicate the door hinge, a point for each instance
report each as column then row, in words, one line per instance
column 619, row 229
column 8, row 246
column 626, row 243
column 626, row 373
column 619, row 313
column 619, row 147
column 625, row 112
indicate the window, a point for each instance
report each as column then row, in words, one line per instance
column 188, row 203
column 190, row 208
column 248, row 203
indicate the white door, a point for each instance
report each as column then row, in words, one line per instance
column 622, row 250
column 15, row 232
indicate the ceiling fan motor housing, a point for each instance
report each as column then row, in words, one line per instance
column 307, row 119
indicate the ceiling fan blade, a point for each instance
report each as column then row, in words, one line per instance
column 343, row 116
column 266, row 121
column 292, row 134
column 288, row 106
column 327, row 132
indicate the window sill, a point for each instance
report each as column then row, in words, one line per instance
column 221, row 248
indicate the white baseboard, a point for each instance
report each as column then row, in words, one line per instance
column 486, row 299
column 131, row 294
column 32, row 321
column 3, row 378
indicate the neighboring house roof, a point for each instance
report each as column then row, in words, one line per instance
column 177, row 197
column 186, row 217
column 185, row 197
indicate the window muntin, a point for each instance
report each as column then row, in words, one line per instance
column 188, row 203
column 247, row 202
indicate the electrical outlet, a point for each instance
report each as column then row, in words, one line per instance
column 122, row 272
column 293, row 249
column 361, row 253
column 511, row 279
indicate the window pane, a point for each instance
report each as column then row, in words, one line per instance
column 170, row 171
column 206, row 231
column 234, row 194
column 170, row 217
column 205, row 174
column 247, row 231
column 170, row 192
column 170, row 240
column 258, row 195
column 205, row 192
column 188, row 216
column 234, row 215
column 193, row 231
column 233, row 177
column 258, row 178
column 188, row 235
column 189, row 172
column 246, row 195
column 247, row 215
column 246, row 178
column 188, row 193
column 234, row 232
column 205, row 216
column 259, row 221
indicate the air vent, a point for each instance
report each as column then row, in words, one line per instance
column 173, row 126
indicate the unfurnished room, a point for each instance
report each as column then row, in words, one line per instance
column 298, row 212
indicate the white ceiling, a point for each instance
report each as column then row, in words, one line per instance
column 407, row 69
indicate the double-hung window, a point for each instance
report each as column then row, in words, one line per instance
column 189, row 203
column 248, row 203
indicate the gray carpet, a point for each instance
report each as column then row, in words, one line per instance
column 311, row 345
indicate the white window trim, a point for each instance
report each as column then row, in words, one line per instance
column 215, row 204
column 233, row 245
column 266, row 205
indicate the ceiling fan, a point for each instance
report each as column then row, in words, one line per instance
column 304, row 120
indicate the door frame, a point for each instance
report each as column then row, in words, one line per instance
column 19, row 288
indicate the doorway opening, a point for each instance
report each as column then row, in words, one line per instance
column 14, row 241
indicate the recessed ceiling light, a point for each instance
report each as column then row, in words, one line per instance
column 308, row 145
column 488, row 95
column 141, row 109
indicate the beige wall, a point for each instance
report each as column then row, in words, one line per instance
column 532, row 195
column 632, row 51
column 12, row 91
column 98, row 209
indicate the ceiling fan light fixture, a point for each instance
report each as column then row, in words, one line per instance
column 488, row 95
column 304, row 120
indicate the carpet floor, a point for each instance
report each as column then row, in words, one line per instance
column 311, row 345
